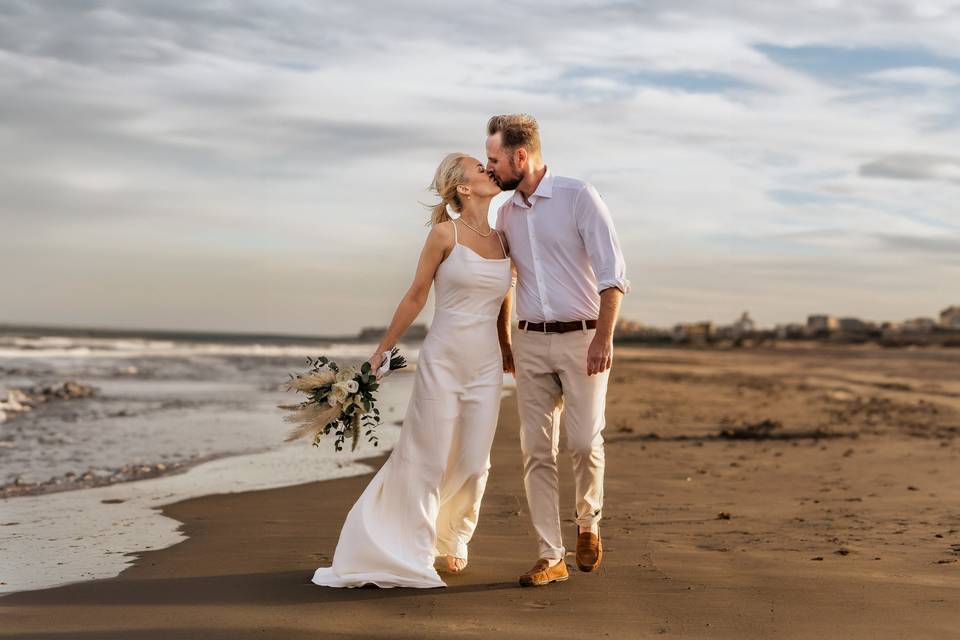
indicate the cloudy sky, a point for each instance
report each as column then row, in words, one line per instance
column 258, row 166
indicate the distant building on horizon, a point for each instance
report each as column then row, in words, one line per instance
column 918, row 325
column 791, row 331
column 950, row 318
column 822, row 324
column 694, row 332
column 632, row 331
column 853, row 325
column 627, row 327
column 739, row 328
column 745, row 325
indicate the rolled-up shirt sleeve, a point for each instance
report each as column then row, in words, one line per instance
column 600, row 239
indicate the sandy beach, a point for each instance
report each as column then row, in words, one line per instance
column 800, row 492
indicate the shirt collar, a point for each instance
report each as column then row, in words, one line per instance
column 543, row 190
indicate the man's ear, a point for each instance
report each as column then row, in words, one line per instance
column 521, row 157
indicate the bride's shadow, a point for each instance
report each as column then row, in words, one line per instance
column 372, row 592
column 275, row 587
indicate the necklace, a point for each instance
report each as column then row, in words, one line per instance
column 469, row 226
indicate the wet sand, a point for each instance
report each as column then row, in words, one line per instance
column 784, row 493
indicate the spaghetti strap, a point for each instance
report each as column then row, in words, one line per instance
column 501, row 243
column 456, row 239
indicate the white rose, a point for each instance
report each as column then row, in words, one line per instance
column 352, row 386
column 332, row 400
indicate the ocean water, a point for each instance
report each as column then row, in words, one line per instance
column 208, row 406
column 162, row 402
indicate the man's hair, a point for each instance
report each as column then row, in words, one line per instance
column 516, row 130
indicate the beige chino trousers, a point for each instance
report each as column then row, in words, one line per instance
column 553, row 388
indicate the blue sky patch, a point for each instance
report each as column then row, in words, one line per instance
column 689, row 81
column 845, row 62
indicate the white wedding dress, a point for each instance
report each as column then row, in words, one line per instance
column 425, row 500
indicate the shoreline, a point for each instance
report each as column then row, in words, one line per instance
column 116, row 522
column 135, row 472
column 823, row 537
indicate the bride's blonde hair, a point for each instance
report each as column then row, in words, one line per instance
column 448, row 177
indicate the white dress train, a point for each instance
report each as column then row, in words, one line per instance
column 425, row 500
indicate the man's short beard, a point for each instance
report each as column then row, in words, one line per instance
column 514, row 181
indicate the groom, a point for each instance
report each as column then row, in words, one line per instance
column 570, row 280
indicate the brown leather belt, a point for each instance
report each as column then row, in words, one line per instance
column 557, row 327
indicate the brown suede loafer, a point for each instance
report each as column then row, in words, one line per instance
column 589, row 551
column 543, row 573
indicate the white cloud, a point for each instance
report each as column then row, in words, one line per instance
column 909, row 166
column 923, row 76
column 285, row 133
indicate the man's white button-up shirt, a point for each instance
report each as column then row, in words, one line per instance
column 565, row 249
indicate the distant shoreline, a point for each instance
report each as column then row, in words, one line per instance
column 759, row 339
column 167, row 334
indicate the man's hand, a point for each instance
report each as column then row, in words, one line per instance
column 507, row 352
column 599, row 355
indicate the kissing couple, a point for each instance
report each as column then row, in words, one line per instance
column 555, row 242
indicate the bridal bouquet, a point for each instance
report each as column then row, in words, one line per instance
column 339, row 400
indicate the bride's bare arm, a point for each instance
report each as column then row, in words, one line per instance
column 438, row 243
column 503, row 325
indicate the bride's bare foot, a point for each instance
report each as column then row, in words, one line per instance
column 455, row 564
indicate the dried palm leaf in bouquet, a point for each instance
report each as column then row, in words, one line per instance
column 339, row 400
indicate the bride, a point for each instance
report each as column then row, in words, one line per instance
column 423, row 503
